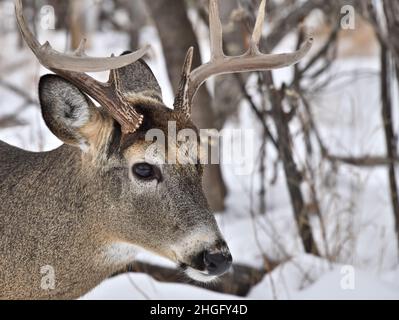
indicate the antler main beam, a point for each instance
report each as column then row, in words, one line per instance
column 252, row 60
column 78, row 61
column 73, row 67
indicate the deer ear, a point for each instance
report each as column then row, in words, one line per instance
column 68, row 113
column 137, row 80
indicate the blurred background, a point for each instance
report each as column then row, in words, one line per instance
column 318, row 215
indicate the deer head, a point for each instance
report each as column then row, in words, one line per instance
column 144, row 200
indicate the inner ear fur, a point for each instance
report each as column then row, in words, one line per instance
column 70, row 114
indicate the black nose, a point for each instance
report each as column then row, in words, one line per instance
column 217, row 263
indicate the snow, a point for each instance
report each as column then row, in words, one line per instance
column 355, row 202
column 306, row 277
column 327, row 287
column 142, row 287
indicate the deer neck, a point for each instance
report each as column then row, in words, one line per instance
column 63, row 230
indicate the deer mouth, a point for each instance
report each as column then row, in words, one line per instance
column 208, row 265
column 198, row 275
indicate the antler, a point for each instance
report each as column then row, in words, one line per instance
column 72, row 67
column 252, row 60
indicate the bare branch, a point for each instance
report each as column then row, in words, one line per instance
column 24, row 95
column 237, row 282
column 363, row 161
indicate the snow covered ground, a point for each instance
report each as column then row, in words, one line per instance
column 355, row 202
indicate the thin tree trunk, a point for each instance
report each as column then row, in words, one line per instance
column 391, row 10
column 292, row 175
column 390, row 138
column 177, row 35
column 137, row 19
column 61, row 13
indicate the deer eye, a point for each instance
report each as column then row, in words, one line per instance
column 146, row 171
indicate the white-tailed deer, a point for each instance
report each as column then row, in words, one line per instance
column 83, row 208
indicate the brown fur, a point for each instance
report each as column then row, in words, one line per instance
column 66, row 208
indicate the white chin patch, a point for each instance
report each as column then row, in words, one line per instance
column 200, row 276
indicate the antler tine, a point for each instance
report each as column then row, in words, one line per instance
column 257, row 33
column 72, row 67
column 252, row 60
column 53, row 59
column 182, row 107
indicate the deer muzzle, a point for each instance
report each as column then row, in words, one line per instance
column 209, row 263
